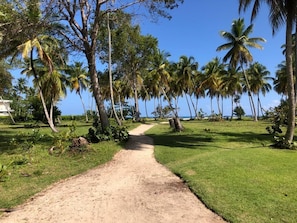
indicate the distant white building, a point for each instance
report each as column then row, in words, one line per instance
column 5, row 109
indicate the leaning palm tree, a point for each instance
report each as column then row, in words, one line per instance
column 27, row 50
column 238, row 43
column 281, row 12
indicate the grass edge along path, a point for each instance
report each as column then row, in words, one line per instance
column 232, row 169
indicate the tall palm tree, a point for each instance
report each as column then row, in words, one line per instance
column 159, row 76
column 213, row 72
column 238, row 43
column 259, row 79
column 281, row 12
column 232, row 82
column 186, row 71
column 78, row 80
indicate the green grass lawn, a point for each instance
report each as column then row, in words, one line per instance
column 232, row 169
column 29, row 171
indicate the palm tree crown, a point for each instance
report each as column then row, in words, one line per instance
column 238, row 43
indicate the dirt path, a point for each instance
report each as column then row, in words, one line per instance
column 132, row 188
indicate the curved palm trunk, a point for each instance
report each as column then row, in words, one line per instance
column 84, row 107
column 290, row 81
column 110, row 74
column 191, row 116
column 249, row 94
column 47, row 115
column 295, row 56
column 137, row 113
column 193, row 105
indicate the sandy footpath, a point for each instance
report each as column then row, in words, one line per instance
column 132, row 188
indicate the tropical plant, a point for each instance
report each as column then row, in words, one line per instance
column 259, row 79
column 280, row 80
column 238, row 53
column 213, row 73
column 159, row 77
column 281, row 12
column 187, row 69
column 78, row 81
column 232, row 83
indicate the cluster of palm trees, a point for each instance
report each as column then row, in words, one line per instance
column 164, row 80
column 160, row 79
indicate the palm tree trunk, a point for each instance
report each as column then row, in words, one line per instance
column 193, row 105
column 232, row 107
column 145, row 104
column 121, row 108
column 218, row 104
column 110, row 74
column 290, row 81
column 191, row 116
column 84, row 107
column 295, row 56
column 249, row 94
column 137, row 113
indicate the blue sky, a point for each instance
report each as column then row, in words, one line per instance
column 194, row 31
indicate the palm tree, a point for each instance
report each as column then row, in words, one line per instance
column 78, row 81
column 186, row 71
column 281, row 12
column 232, row 82
column 213, row 73
column 259, row 81
column 238, row 41
column 27, row 51
column 280, row 81
column 159, row 76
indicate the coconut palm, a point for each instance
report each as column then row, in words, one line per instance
column 78, row 81
column 159, row 76
column 27, row 50
column 281, row 12
column 280, row 81
column 213, row 72
column 259, row 79
column 186, row 71
column 238, row 43
column 232, row 83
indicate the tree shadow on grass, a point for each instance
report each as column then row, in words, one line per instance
column 202, row 141
column 246, row 137
column 181, row 141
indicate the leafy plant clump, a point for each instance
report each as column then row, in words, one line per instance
column 278, row 117
column 116, row 133
column 97, row 133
